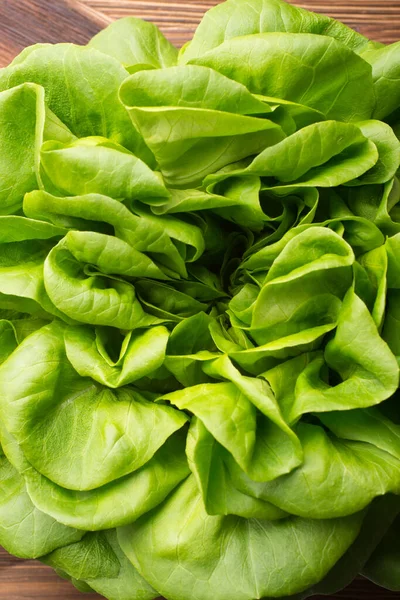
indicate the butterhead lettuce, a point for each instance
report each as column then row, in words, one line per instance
column 200, row 308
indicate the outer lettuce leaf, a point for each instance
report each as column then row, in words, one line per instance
column 383, row 568
column 361, row 472
column 47, row 412
column 365, row 425
column 388, row 146
column 190, row 87
column 313, row 70
column 210, row 548
column 116, row 504
column 376, row 523
column 136, row 44
column 22, row 117
column 191, row 143
column 386, row 74
column 236, row 18
column 368, row 370
column 84, row 101
column 96, row 165
column 15, row 228
column 331, row 154
column 25, row 531
column 145, row 232
column 191, row 139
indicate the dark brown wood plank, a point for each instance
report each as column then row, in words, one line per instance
column 378, row 19
column 25, row 22
column 30, row 580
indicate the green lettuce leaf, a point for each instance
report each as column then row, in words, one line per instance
column 85, row 102
column 314, row 70
column 136, row 44
column 209, row 547
column 236, row 18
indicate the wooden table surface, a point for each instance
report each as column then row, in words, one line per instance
column 24, row 22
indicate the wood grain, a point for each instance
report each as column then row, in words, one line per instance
column 29, row 580
column 24, row 22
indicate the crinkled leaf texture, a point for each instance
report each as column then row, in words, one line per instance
column 200, row 308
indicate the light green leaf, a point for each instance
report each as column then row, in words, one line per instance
column 210, row 548
column 368, row 370
column 143, row 232
column 81, row 86
column 25, row 531
column 351, row 473
column 136, row 44
column 221, row 497
column 325, row 154
column 365, row 425
column 78, row 434
column 15, row 228
column 388, row 146
column 191, row 143
column 192, row 135
column 309, row 69
column 190, row 344
column 142, row 353
column 236, row 18
column 191, row 86
column 21, row 125
column 263, row 445
column 91, row 296
column 386, row 74
column 118, row 503
column 303, row 289
column 97, row 166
